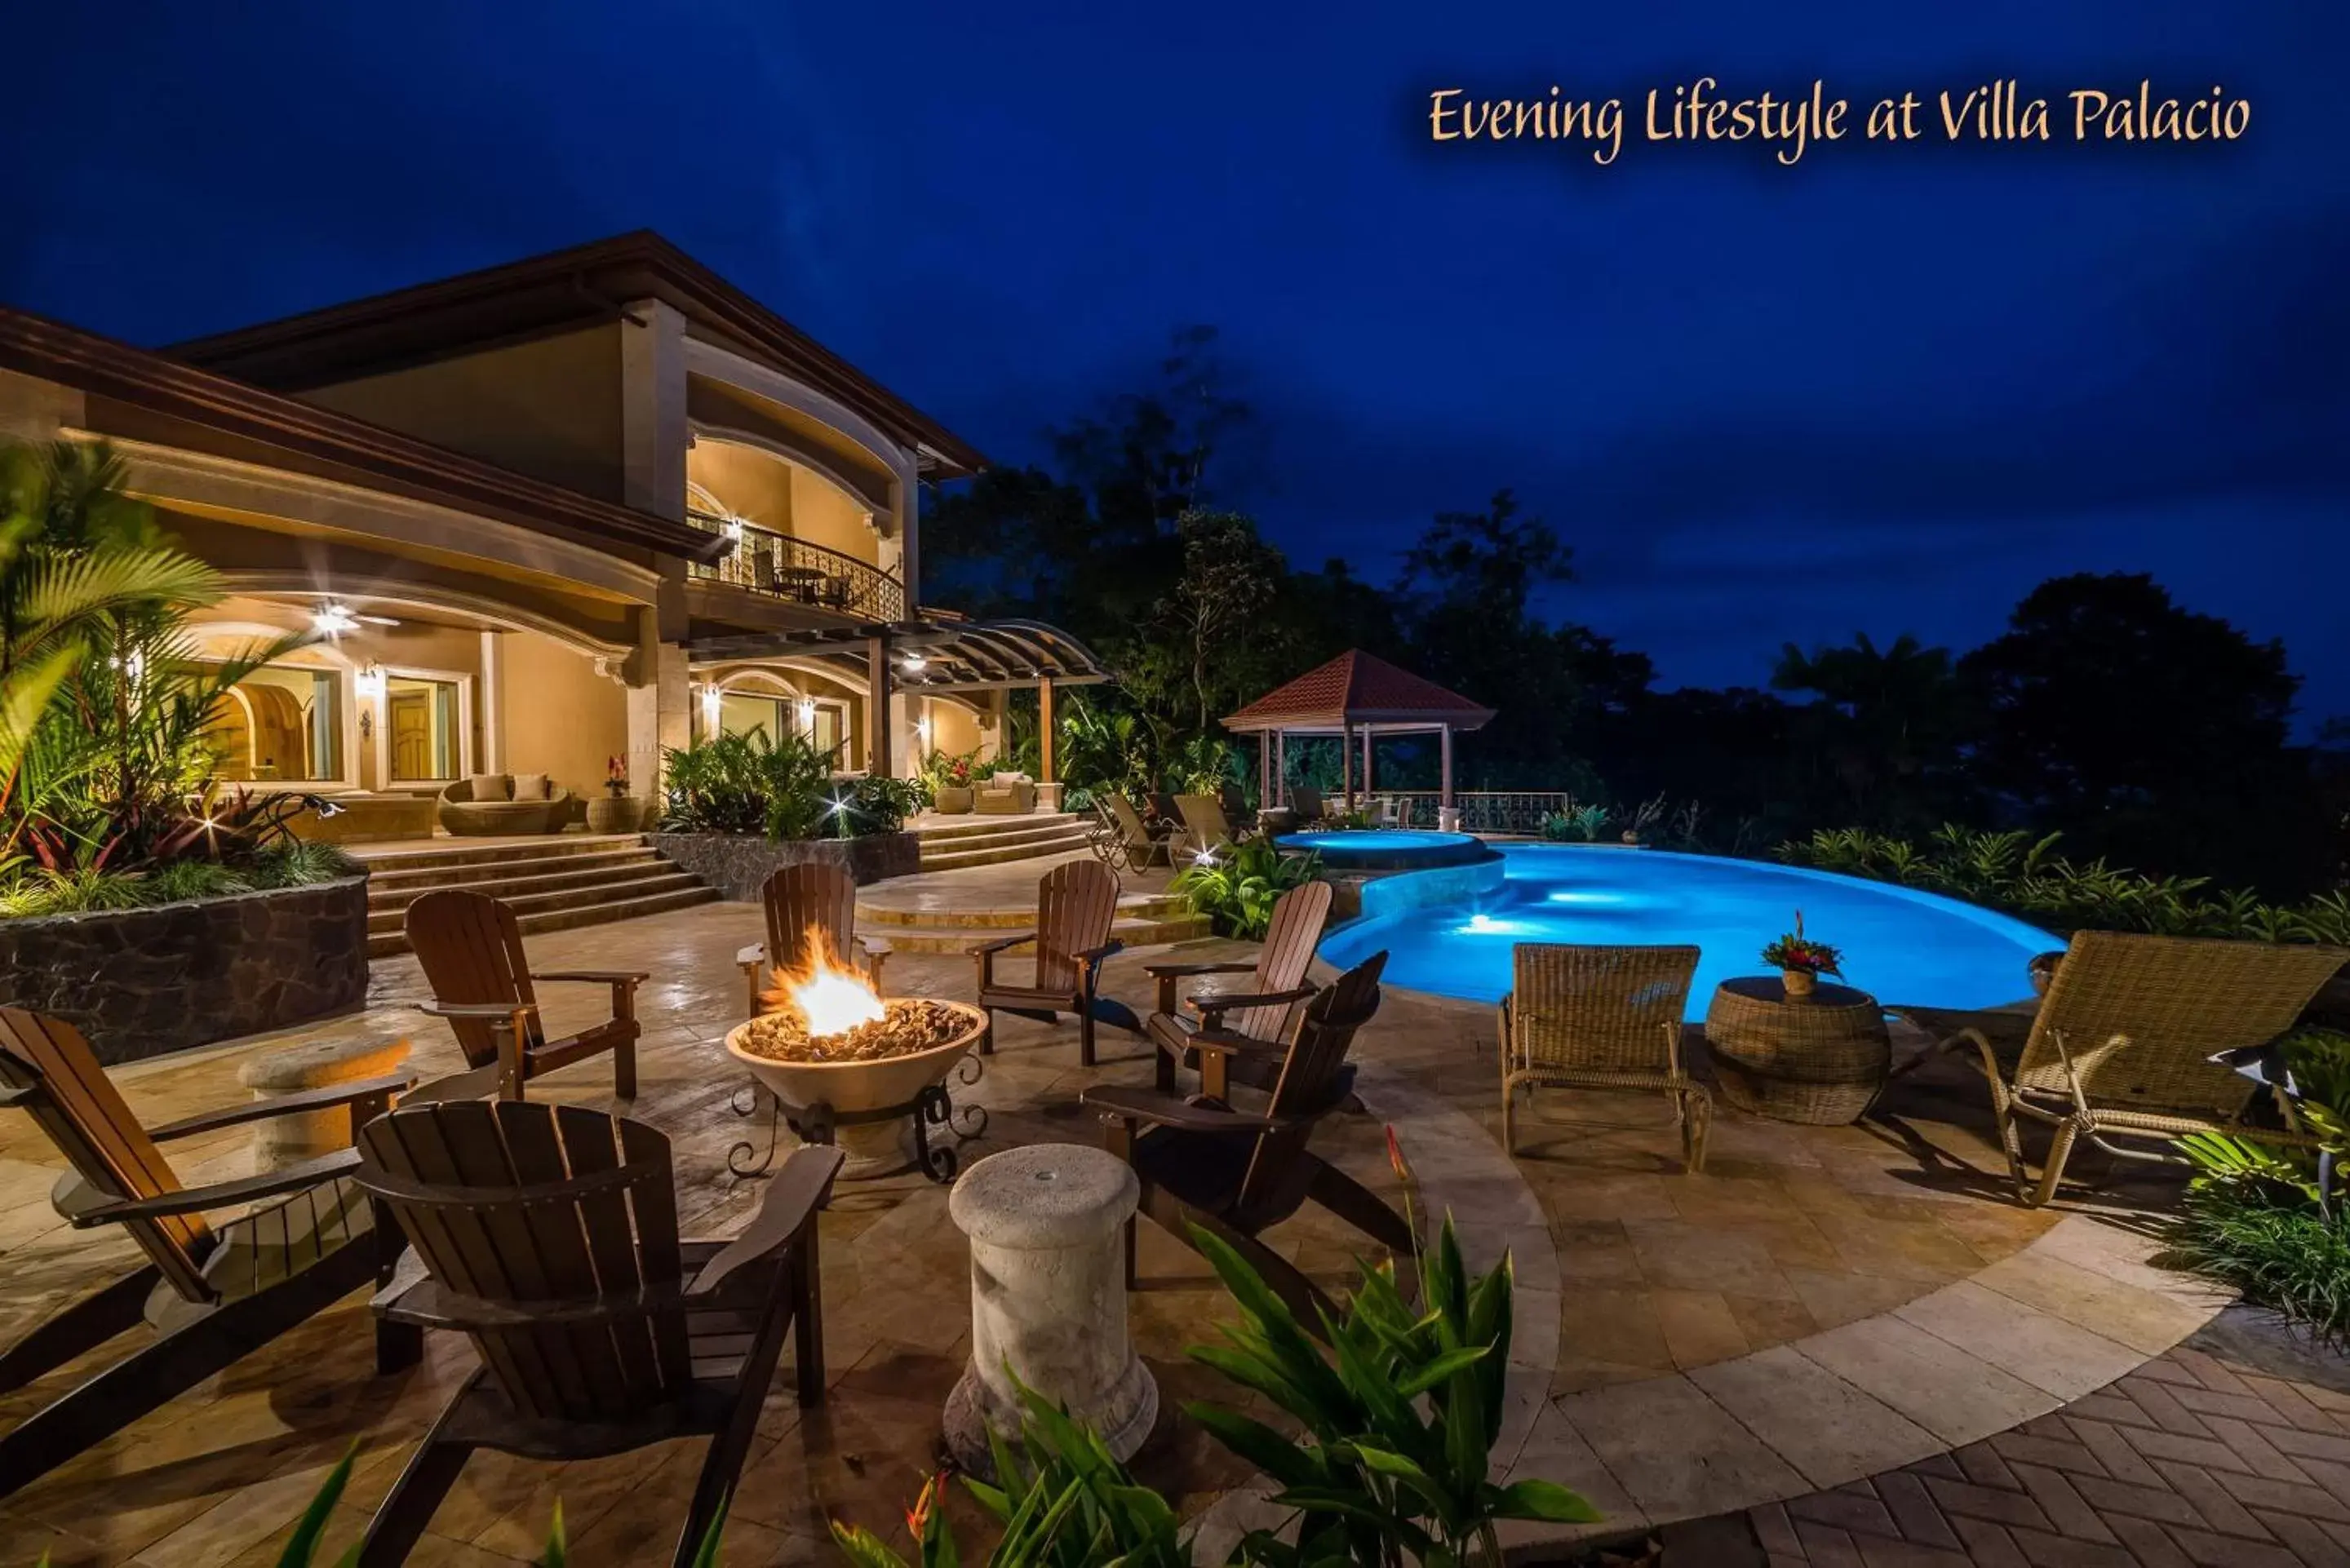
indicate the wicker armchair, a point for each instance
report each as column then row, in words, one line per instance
column 1005, row 794
column 2122, row 1045
column 1601, row 1018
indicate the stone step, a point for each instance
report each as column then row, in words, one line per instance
column 459, row 853
column 978, row 824
column 386, row 944
column 489, row 877
column 1133, row 932
column 885, row 919
column 1017, row 831
column 660, row 877
column 998, row 853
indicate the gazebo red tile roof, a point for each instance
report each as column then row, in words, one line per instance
column 1358, row 690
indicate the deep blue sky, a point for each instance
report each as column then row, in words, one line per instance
column 1887, row 390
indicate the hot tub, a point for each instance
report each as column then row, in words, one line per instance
column 1388, row 848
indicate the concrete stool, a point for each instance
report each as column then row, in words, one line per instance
column 282, row 1141
column 1047, row 1229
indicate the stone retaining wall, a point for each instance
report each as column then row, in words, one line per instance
column 736, row 864
column 144, row 982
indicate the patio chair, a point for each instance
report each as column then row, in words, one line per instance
column 809, row 900
column 1587, row 1017
column 2122, row 1044
column 1237, row 1173
column 548, row 1235
column 1206, row 829
column 205, row 1296
column 1307, row 803
column 1142, row 847
column 1076, row 904
column 470, row 947
column 1259, row 1011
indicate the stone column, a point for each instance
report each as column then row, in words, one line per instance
column 1047, row 1229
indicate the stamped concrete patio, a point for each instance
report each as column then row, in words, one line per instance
column 1825, row 1305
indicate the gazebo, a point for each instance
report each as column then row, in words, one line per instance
column 1353, row 694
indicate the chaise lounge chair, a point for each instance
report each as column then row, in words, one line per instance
column 1206, row 829
column 2122, row 1045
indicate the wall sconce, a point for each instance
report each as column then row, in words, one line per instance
column 710, row 697
column 922, row 728
column 369, row 682
column 807, row 714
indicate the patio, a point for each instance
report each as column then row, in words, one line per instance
column 1826, row 1304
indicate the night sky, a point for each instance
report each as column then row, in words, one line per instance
column 1888, row 389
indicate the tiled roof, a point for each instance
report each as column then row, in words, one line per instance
column 1356, row 689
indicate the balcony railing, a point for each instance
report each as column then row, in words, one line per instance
column 800, row 572
column 1481, row 811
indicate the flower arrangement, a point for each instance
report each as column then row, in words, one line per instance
column 1800, row 961
column 616, row 776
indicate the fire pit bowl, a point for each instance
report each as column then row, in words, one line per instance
column 867, row 1105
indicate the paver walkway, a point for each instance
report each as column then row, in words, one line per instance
column 2230, row 1449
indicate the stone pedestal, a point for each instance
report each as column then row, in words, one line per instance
column 282, row 1141
column 1048, row 1224
column 1048, row 797
column 1448, row 819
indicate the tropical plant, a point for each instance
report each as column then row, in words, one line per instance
column 1574, row 823
column 870, row 806
column 1202, row 764
column 746, row 783
column 1103, row 748
column 950, row 769
column 1062, row 1498
column 1799, row 952
column 1399, row 1418
column 1237, row 888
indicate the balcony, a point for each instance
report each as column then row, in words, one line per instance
column 798, row 572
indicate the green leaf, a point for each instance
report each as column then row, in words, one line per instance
column 1260, row 1445
column 1442, row 1368
column 705, row 1555
column 303, row 1544
column 558, row 1549
column 1540, row 1500
column 863, row 1548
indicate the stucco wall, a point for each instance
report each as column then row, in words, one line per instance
column 550, row 407
column 954, row 729
column 559, row 716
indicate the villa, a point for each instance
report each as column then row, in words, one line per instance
column 585, row 505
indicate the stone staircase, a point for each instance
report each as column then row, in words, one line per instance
column 553, row 883
column 974, row 840
column 1142, row 918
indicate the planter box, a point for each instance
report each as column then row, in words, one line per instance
column 951, row 800
column 145, row 983
column 737, row 864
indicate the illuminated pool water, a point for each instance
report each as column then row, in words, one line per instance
column 1388, row 848
column 1899, row 945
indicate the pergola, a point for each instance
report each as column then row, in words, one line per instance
column 1353, row 694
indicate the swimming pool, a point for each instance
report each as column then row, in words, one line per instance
column 1899, row 945
column 1388, row 848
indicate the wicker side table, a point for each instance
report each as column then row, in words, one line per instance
column 1820, row 1061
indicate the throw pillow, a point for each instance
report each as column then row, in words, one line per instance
column 490, row 786
column 531, row 786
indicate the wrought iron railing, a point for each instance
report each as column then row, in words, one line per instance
column 1481, row 811
column 767, row 561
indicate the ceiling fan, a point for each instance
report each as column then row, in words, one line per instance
column 334, row 619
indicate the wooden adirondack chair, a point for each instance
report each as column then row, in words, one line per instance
column 209, row 1295
column 1076, row 904
column 548, row 1235
column 1259, row 1011
column 1238, row 1174
column 470, row 946
column 808, row 899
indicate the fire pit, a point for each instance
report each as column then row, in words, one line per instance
column 845, row 1066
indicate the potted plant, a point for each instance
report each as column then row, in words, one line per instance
column 1801, row 962
column 953, row 789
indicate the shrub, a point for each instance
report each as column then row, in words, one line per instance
column 746, row 782
column 2275, row 1247
column 1237, row 889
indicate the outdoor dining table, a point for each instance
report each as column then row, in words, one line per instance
column 1819, row 1059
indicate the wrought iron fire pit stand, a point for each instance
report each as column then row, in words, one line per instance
column 933, row 1111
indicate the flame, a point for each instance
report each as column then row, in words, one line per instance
column 832, row 997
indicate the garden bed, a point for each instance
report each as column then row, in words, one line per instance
column 736, row 864
column 148, row 982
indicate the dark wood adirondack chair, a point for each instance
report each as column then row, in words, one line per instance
column 470, row 946
column 809, row 898
column 1076, row 904
column 209, row 1295
column 1258, row 1011
column 548, row 1235
column 1237, row 1173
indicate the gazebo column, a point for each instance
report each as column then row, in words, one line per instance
column 1281, row 760
column 1347, row 764
column 1367, row 760
column 1448, row 815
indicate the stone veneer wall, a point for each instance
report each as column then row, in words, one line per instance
column 737, row 864
column 144, row 982
column 1368, row 894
